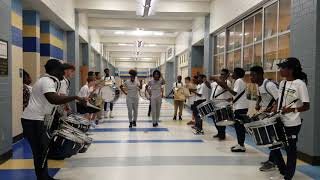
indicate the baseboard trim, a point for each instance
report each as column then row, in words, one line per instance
column 17, row 138
column 313, row 160
column 6, row 156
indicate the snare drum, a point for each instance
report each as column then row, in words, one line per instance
column 87, row 142
column 267, row 133
column 79, row 123
column 65, row 143
column 224, row 116
column 206, row 109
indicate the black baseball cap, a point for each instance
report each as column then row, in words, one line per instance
column 66, row 66
column 290, row 63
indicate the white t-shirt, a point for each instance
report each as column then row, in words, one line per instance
column 296, row 89
column 84, row 91
column 64, row 88
column 204, row 91
column 38, row 105
column 242, row 102
column 109, row 78
column 132, row 87
column 177, row 85
column 217, row 90
column 267, row 86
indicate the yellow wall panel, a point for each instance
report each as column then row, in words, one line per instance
column 17, row 86
column 16, row 20
column 50, row 39
column 31, row 31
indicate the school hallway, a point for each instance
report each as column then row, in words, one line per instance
column 170, row 151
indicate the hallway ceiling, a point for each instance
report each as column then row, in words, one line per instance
column 125, row 34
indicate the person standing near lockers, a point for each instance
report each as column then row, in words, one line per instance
column 293, row 99
column 267, row 92
column 156, row 92
column 202, row 94
column 178, row 98
column 43, row 99
column 131, row 89
column 240, row 106
column 108, row 106
column 221, row 98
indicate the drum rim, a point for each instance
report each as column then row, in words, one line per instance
column 262, row 123
column 67, row 126
column 219, row 108
column 227, row 120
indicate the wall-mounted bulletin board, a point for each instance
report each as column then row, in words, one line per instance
column 4, row 58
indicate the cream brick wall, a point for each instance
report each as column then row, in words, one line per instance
column 224, row 11
column 31, row 63
column 198, row 29
column 182, row 42
column 83, row 26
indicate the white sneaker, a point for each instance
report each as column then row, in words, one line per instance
column 105, row 114
column 276, row 176
column 238, row 148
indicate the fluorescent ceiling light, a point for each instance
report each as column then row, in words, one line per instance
column 158, row 33
column 124, row 44
column 146, row 7
column 124, row 58
column 146, row 58
column 151, row 45
column 119, row 32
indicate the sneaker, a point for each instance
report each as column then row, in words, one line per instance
column 276, row 176
column 174, row 118
column 269, row 166
column 193, row 127
column 238, row 148
column 155, row 124
column 199, row 132
column 180, row 118
column 191, row 123
column 130, row 125
column 216, row 136
column 97, row 122
column 134, row 123
column 264, row 162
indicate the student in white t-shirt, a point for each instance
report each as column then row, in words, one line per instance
column 69, row 71
column 293, row 99
column 43, row 99
column 221, row 97
column 192, row 86
column 108, row 106
column 268, row 93
column 240, row 106
column 202, row 95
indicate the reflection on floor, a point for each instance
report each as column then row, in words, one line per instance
column 170, row 152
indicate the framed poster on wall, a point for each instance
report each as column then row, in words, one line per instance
column 3, row 58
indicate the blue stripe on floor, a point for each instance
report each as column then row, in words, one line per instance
column 22, row 174
column 150, row 141
column 311, row 171
column 128, row 129
column 126, row 121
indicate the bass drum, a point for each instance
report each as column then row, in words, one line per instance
column 144, row 94
column 110, row 93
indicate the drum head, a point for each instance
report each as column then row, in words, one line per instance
column 225, row 123
column 108, row 93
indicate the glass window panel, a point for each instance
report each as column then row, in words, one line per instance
column 216, row 45
column 270, row 54
column 230, row 60
column 238, row 35
column 248, row 31
column 221, row 42
column 247, row 57
column 216, row 64
column 221, row 62
column 270, row 27
column 230, row 38
column 237, row 58
column 257, row 54
column 284, row 15
column 284, row 47
column 258, row 27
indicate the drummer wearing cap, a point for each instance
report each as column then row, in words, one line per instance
column 43, row 99
column 293, row 99
column 69, row 71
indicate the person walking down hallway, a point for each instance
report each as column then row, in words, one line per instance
column 131, row 89
column 108, row 106
column 155, row 90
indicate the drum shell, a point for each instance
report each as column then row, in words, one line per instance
column 267, row 133
column 206, row 109
column 224, row 116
